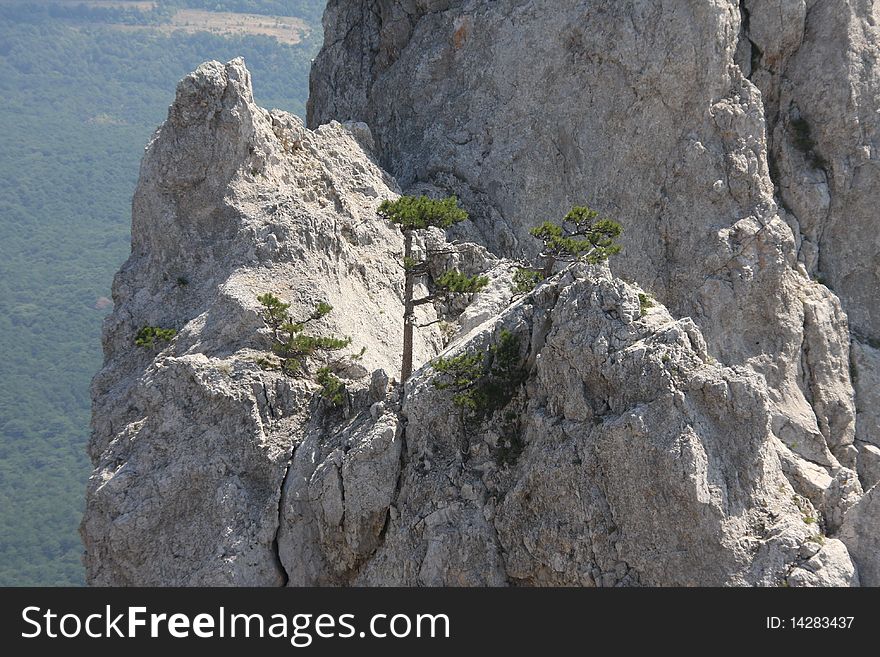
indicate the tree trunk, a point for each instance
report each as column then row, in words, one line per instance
column 408, row 308
column 549, row 264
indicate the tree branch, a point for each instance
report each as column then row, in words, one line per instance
column 424, row 300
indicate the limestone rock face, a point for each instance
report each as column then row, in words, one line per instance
column 866, row 378
column 635, row 460
column 861, row 535
column 816, row 64
column 678, row 117
column 642, row 110
column 336, row 498
column 724, row 436
column 629, row 438
column 733, row 141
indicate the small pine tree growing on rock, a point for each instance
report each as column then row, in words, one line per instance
column 582, row 236
column 332, row 387
column 525, row 280
column 411, row 214
column 482, row 382
column 295, row 348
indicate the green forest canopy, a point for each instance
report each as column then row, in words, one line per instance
column 80, row 101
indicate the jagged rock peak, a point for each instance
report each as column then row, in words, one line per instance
column 191, row 439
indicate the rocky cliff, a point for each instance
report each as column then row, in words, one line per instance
column 726, row 436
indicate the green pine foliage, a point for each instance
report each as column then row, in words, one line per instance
column 506, row 358
column 332, row 387
column 149, row 336
column 420, row 212
column 454, row 282
column 297, row 348
column 274, row 309
column 293, row 346
column 525, row 280
column 461, row 374
column 583, row 236
column 482, row 382
column 322, row 310
column 414, row 213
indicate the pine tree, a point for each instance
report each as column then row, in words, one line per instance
column 414, row 213
column 581, row 237
column 292, row 345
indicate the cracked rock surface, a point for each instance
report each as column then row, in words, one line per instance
column 639, row 462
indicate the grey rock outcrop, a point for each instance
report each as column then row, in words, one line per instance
column 630, row 435
column 866, row 378
column 717, row 438
column 690, row 179
column 733, row 140
column 635, row 461
column 816, row 64
column 191, row 443
column 336, row 499
column 861, row 535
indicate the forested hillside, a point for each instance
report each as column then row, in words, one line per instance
column 83, row 87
